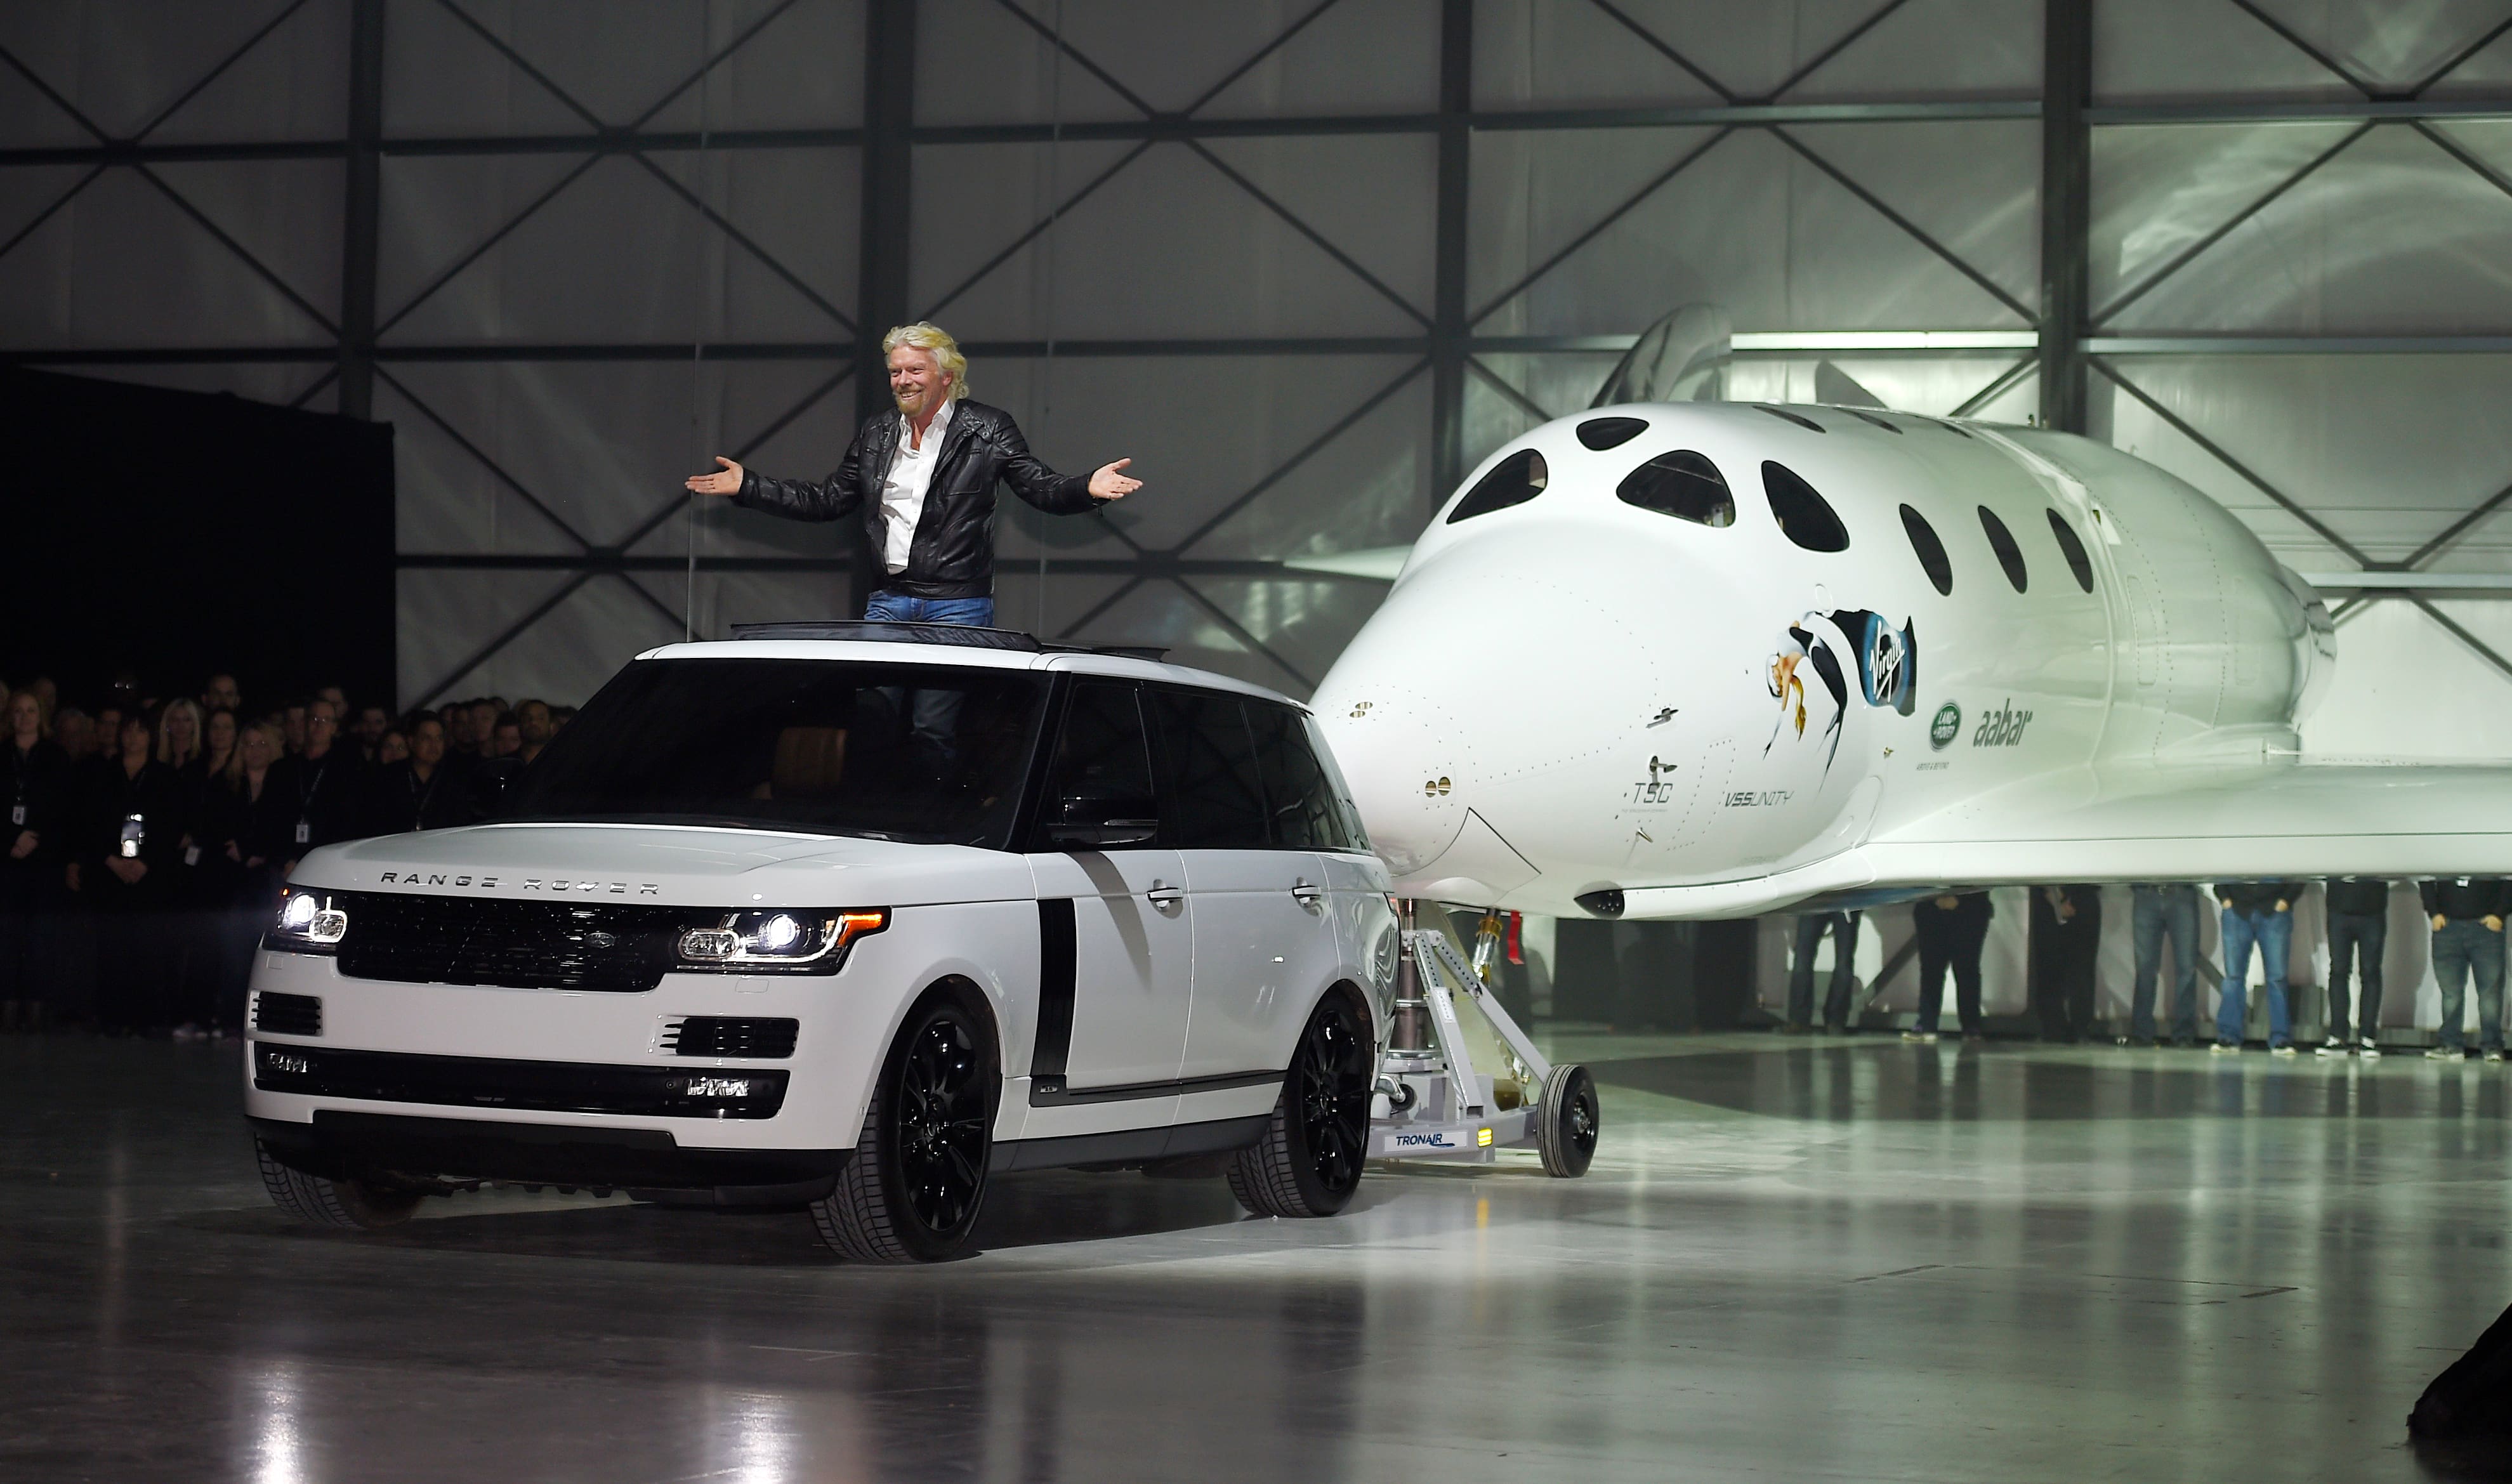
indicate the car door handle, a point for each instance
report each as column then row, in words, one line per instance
column 1307, row 895
column 1163, row 894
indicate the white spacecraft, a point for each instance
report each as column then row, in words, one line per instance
column 1714, row 659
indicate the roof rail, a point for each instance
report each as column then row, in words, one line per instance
column 885, row 631
column 877, row 631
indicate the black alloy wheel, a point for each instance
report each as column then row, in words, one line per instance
column 941, row 1112
column 913, row 1187
column 1308, row 1162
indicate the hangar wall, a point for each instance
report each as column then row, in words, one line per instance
column 1304, row 261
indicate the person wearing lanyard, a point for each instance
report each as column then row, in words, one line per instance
column 421, row 791
column 330, row 785
column 34, row 777
column 133, row 845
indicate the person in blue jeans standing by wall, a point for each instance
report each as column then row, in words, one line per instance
column 2467, row 915
column 2257, row 912
column 2158, row 909
column 1810, row 925
column 2359, row 927
column 1951, row 931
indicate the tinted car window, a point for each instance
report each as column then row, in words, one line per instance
column 1683, row 484
column 2078, row 564
column 1299, row 799
column 1931, row 551
column 2002, row 541
column 927, row 754
column 1804, row 515
column 1102, row 751
column 1355, row 835
column 1514, row 481
column 1215, row 794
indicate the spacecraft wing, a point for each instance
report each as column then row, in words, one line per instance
column 2306, row 821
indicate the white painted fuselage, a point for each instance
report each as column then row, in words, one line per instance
column 1578, row 703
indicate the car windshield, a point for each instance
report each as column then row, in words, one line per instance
column 925, row 753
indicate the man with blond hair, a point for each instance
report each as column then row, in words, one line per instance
column 924, row 482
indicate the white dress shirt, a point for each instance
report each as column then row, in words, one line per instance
column 902, row 489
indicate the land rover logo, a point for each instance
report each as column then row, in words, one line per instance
column 600, row 940
column 1945, row 728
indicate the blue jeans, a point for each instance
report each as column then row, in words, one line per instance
column 2458, row 948
column 2155, row 914
column 898, row 607
column 2273, row 932
column 1844, row 951
column 934, row 714
column 2354, row 935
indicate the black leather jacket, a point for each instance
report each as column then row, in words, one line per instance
column 953, row 551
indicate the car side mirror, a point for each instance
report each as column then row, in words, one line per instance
column 1092, row 819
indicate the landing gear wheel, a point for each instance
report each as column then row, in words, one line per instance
column 1566, row 1122
column 912, row 1189
column 319, row 1201
column 1308, row 1161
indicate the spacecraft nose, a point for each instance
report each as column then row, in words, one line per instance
column 1397, row 749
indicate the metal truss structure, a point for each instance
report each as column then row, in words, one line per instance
column 2069, row 338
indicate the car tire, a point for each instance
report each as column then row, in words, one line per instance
column 319, row 1201
column 1308, row 1161
column 1566, row 1122
column 912, row 1189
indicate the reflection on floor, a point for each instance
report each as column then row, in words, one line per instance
column 1794, row 1260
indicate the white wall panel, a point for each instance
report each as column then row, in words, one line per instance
column 2147, row 50
column 726, row 599
column 2406, row 687
column 122, row 266
column 1750, row 225
column 1169, row 247
column 123, row 63
column 1359, row 57
column 2387, row 44
column 619, row 59
column 603, row 444
column 1551, row 56
column 447, row 616
column 615, row 256
column 2391, row 236
column 2387, row 450
column 1936, row 49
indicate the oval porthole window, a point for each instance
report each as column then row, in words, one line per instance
column 2002, row 541
column 1514, row 481
column 1683, row 484
column 1804, row 515
column 1931, row 551
column 2078, row 564
column 1602, row 432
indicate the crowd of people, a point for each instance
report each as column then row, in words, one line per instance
column 2465, row 914
column 150, row 836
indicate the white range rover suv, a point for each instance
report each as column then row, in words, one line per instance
column 846, row 916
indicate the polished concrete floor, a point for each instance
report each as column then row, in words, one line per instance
column 1794, row 1260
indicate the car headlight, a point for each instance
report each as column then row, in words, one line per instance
column 785, row 939
column 308, row 922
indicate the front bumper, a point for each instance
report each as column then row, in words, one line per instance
column 647, row 1162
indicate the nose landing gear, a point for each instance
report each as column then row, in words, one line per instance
column 1431, row 1102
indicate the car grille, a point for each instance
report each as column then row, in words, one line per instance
column 287, row 1014
column 470, row 1082
column 518, row 945
column 768, row 1037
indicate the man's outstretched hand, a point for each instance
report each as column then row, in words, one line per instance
column 725, row 480
column 1107, row 483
